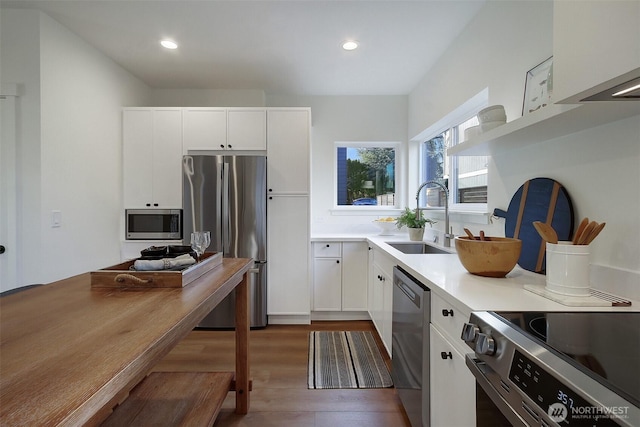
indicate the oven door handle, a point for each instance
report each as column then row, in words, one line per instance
column 493, row 394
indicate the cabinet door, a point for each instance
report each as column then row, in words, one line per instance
column 354, row 276
column 137, row 158
column 377, row 297
column 288, row 151
column 288, row 255
column 452, row 385
column 167, row 158
column 327, row 284
column 387, row 311
column 246, row 129
column 205, row 129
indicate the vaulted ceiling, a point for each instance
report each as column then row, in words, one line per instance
column 284, row 47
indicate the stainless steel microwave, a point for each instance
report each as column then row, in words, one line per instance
column 153, row 224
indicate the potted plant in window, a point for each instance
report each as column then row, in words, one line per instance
column 414, row 222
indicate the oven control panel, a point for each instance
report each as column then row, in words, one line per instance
column 560, row 402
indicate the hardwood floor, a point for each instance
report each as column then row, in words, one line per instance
column 280, row 396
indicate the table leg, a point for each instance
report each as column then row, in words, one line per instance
column 242, row 346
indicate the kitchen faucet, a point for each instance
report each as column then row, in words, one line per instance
column 448, row 235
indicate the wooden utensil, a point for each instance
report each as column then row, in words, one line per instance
column 580, row 230
column 546, row 231
column 585, row 234
column 482, row 235
column 594, row 233
column 469, row 234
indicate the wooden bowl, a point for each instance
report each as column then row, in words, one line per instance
column 493, row 257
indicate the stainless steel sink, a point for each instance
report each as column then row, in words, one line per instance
column 417, row 248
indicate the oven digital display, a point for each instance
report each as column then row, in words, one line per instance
column 562, row 404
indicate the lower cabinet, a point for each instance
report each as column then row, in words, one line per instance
column 339, row 277
column 288, row 292
column 380, row 301
column 452, row 384
column 452, row 393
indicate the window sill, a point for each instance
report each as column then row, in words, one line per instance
column 375, row 211
column 462, row 216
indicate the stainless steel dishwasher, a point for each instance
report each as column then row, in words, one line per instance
column 410, row 345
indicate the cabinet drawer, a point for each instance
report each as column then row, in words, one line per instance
column 384, row 262
column 448, row 318
column 327, row 250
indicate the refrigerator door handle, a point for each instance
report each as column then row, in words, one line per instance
column 226, row 217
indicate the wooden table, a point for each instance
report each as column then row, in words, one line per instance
column 69, row 353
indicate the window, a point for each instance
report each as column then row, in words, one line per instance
column 366, row 174
column 464, row 176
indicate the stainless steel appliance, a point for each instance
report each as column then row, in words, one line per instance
column 410, row 345
column 153, row 224
column 563, row 369
column 226, row 195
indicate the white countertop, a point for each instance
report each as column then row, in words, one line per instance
column 446, row 277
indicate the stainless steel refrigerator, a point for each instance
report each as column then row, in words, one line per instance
column 226, row 195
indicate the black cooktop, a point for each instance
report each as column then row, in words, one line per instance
column 604, row 345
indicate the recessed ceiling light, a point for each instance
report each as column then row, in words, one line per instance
column 350, row 45
column 169, row 44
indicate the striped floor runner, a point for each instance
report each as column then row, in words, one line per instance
column 346, row 360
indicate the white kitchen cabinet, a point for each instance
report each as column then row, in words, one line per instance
column 227, row 129
column 246, row 129
column 204, row 129
column 288, row 139
column 354, row 276
column 381, row 291
column 327, row 276
column 452, row 386
column 152, row 158
column 593, row 43
column 340, row 277
column 288, row 281
column 327, row 284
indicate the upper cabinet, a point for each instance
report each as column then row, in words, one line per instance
column 246, row 129
column 596, row 45
column 288, row 133
column 152, row 157
column 207, row 129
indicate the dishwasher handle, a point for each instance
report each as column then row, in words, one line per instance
column 415, row 298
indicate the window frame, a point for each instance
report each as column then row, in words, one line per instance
column 399, row 152
column 450, row 123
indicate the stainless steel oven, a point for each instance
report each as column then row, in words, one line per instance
column 556, row 369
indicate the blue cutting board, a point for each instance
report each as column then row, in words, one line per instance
column 538, row 199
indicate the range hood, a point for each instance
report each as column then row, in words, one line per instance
column 627, row 91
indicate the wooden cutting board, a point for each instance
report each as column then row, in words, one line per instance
column 538, row 199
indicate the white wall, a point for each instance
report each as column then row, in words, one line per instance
column 599, row 167
column 74, row 162
column 344, row 118
column 19, row 64
column 503, row 42
column 207, row 98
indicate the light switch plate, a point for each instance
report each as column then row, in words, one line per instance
column 56, row 219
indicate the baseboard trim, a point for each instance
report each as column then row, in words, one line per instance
column 289, row 319
column 340, row 315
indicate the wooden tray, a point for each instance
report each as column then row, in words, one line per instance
column 120, row 276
